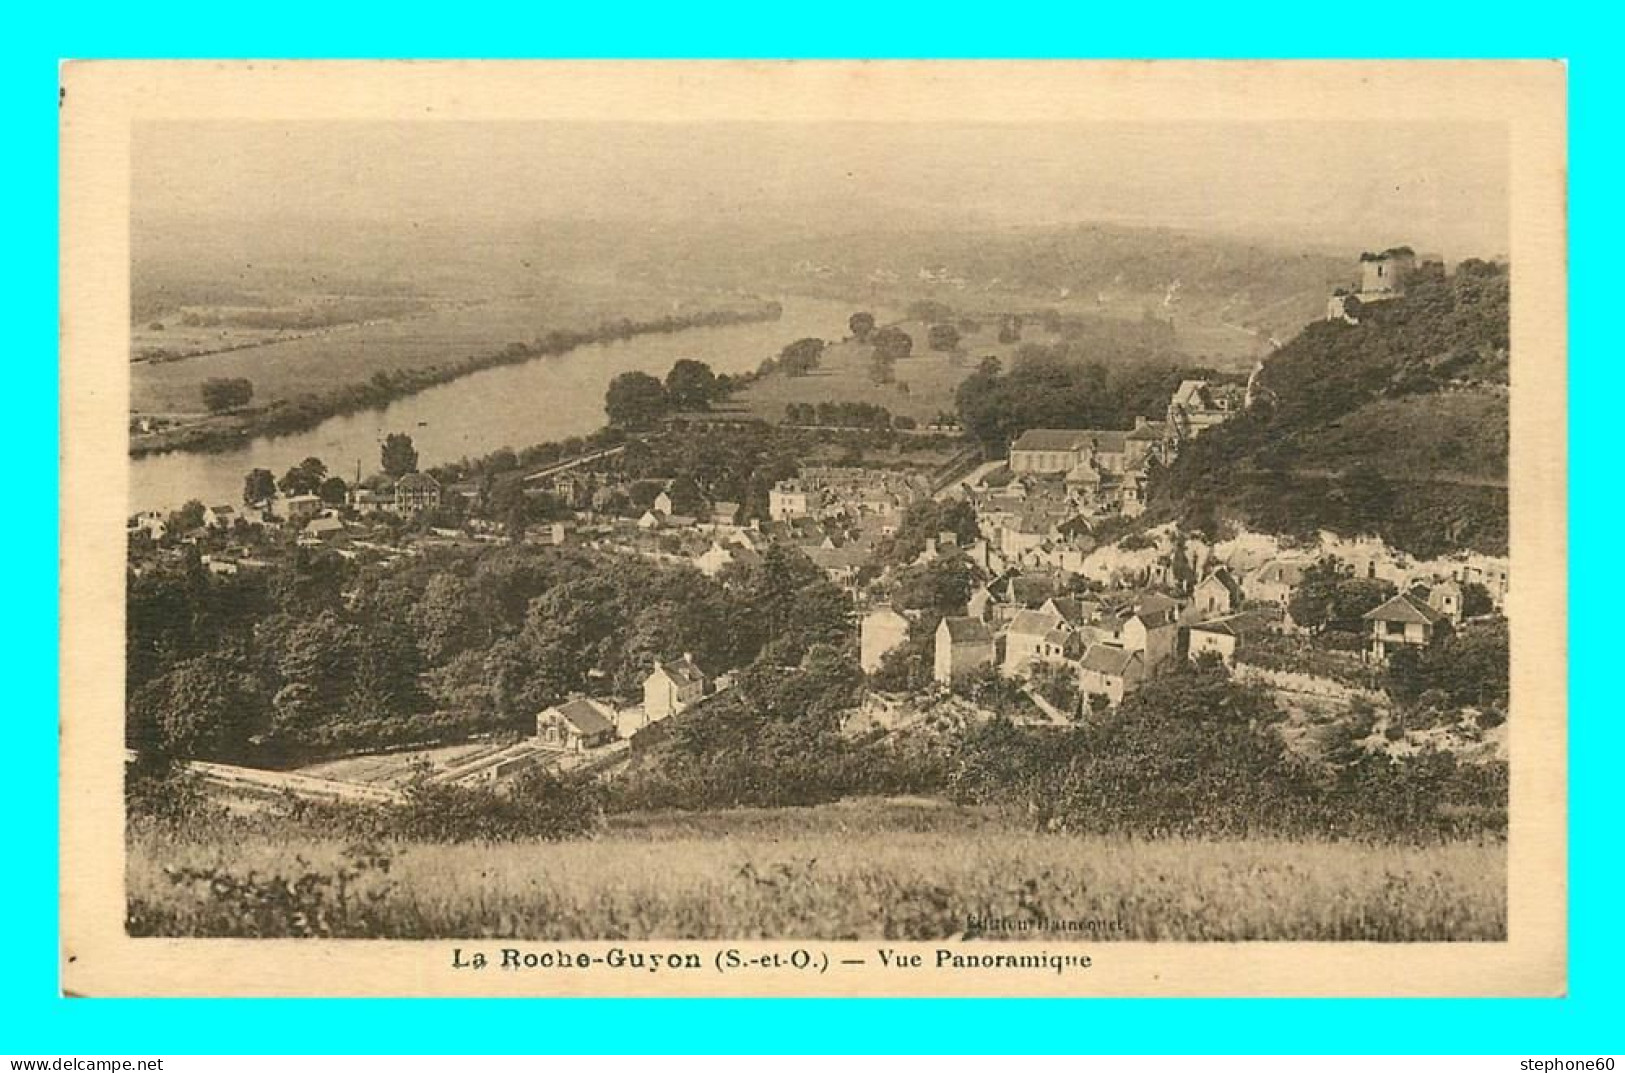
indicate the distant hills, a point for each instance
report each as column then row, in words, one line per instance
column 1115, row 269
column 1395, row 425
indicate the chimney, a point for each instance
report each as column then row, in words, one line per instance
column 1140, row 422
column 688, row 657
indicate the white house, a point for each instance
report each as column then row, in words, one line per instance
column 964, row 645
column 575, row 726
column 672, row 687
column 882, row 629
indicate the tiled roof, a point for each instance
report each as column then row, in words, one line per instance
column 1108, row 659
column 1151, row 430
column 1049, row 439
column 962, row 629
column 1405, row 608
column 587, row 716
column 1232, row 625
column 1034, row 623
column 682, row 670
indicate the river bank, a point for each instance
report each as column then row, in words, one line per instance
column 512, row 405
column 228, row 432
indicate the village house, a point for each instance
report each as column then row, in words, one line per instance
column 150, row 522
column 672, row 687
column 572, row 490
column 415, row 492
column 1143, row 444
column 1446, row 598
column 1198, row 405
column 1034, row 637
column 787, row 500
column 548, row 534
column 840, row 564
column 1275, row 581
column 1075, row 611
column 362, row 500
column 1403, row 621
column 882, row 630
column 1131, row 496
column 964, row 646
column 325, row 526
column 719, row 557
column 1152, row 630
column 575, row 726
column 1221, row 636
column 221, row 517
column 1110, row 672
column 724, row 513
column 302, row 508
column 1216, row 595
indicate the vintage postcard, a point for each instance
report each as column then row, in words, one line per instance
column 813, row 528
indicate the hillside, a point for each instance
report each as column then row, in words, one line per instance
column 1395, row 425
column 1220, row 291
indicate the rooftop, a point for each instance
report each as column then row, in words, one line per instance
column 587, row 715
column 1108, row 659
column 1405, row 608
column 962, row 629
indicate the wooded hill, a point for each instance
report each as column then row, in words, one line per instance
column 1395, row 425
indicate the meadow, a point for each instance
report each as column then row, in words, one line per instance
column 867, row 869
column 924, row 385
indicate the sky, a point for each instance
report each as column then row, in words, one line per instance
column 1442, row 188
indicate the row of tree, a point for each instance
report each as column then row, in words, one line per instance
column 638, row 400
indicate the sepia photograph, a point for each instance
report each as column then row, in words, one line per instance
column 816, row 524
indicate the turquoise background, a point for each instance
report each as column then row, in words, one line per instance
column 34, row 1020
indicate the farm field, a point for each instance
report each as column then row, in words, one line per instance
column 925, row 380
column 317, row 361
column 869, row 869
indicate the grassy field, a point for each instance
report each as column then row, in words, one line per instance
column 928, row 376
column 857, row 870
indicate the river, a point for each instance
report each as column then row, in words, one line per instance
column 549, row 398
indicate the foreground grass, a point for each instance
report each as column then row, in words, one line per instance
column 845, row 875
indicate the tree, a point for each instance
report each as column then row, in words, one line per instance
column 943, row 337
column 333, row 491
column 927, row 310
column 258, row 487
column 189, row 517
column 398, row 457
column 690, row 385
column 635, row 400
column 861, row 324
column 1330, row 597
column 226, row 393
column 893, row 342
column 304, row 479
column 205, row 706
column 1475, row 600
column 943, row 585
column 801, row 357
